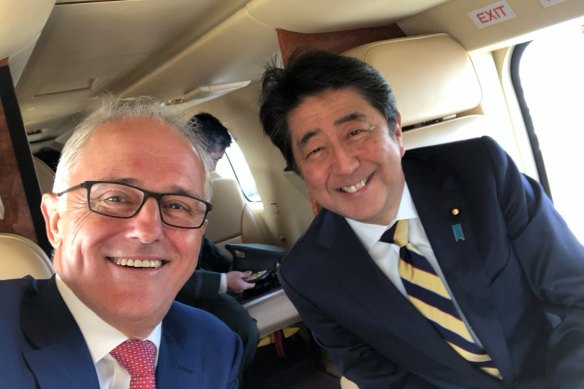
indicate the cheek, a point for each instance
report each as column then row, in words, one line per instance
column 188, row 245
column 84, row 229
column 314, row 178
column 83, row 225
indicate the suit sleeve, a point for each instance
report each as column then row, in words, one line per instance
column 356, row 360
column 553, row 261
column 212, row 259
column 201, row 285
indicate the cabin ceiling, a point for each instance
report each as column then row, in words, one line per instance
column 66, row 53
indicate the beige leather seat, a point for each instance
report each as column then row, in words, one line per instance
column 435, row 84
column 232, row 220
column 436, row 88
column 20, row 256
column 45, row 175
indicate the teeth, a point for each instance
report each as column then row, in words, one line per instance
column 354, row 188
column 152, row 263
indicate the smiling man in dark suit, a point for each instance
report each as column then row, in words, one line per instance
column 480, row 285
column 126, row 222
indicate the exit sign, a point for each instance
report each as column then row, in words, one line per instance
column 492, row 14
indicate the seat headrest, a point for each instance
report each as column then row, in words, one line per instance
column 228, row 206
column 432, row 76
column 45, row 175
column 20, row 256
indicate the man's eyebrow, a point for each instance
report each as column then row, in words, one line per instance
column 306, row 137
column 349, row 118
column 134, row 182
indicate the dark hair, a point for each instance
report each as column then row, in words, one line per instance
column 49, row 156
column 310, row 73
column 213, row 133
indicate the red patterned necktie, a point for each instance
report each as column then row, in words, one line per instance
column 137, row 357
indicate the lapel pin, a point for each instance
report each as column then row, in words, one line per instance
column 458, row 233
column 455, row 211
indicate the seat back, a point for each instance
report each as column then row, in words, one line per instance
column 231, row 220
column 435, row 85
column 20, row 256
column 45, row 175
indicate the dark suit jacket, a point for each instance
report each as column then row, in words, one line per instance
column 205, row 281
column 41, row 345
column 518, row 276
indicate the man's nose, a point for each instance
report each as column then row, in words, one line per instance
column 344, row 160
column 148, row 224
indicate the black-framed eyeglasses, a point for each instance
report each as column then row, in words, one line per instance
column 124, row 201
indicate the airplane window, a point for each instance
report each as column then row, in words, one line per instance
column 552, row 77
column 235, row 166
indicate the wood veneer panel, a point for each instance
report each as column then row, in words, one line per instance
column 336, row 41
column 19, row 187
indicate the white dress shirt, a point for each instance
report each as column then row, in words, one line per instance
column 386, row 255
column 101, row 339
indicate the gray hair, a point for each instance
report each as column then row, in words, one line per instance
column 116, row 108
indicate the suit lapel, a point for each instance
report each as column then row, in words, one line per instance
column 435, row 199
column 375, row 296
column 58, row 355
column 177, row 368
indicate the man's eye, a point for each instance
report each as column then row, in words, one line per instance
column 177, row 207
column 356, row 131
column 313, row 153
column 115, row 199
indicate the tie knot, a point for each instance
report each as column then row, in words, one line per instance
column 398, row 233
column 137, row 357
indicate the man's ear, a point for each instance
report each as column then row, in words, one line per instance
column 52, row 216
column 399, row 135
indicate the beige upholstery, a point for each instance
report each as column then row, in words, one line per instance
column 348, row 384
column 45, row 175
column 231, row 220
column 20, row 256
column 272, row 312
column 433, row 78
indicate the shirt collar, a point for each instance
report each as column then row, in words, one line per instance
column 369, row 234
column 101, row 337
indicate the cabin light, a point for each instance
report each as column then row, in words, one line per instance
column 35, row 131
column 207, row 92
column 69, row 87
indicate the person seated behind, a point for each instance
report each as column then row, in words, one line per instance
column 208, row 286
column 215, row 136
column 49, row 156
column 122, row 250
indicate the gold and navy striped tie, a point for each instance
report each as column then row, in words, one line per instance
column 428, row 294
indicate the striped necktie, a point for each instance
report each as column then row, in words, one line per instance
column 429, row 295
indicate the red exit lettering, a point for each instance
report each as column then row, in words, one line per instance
column 492, row 14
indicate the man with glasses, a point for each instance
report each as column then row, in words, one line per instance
column 126, row 222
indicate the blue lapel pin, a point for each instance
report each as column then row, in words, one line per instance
column 458, row 233
column 456, row 228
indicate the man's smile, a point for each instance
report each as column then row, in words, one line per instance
column 355, row 187
column 137, row 263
